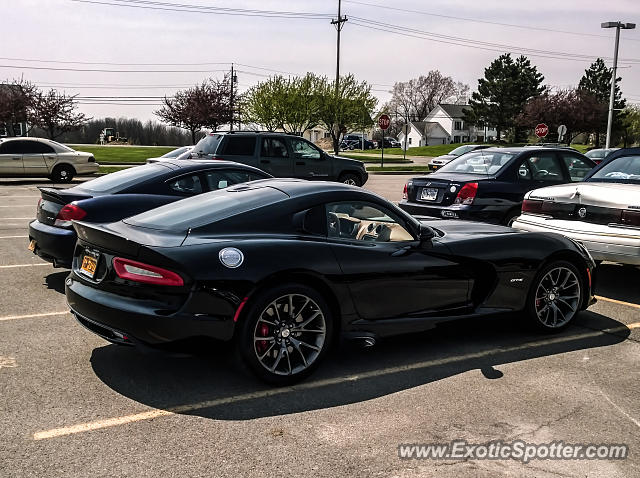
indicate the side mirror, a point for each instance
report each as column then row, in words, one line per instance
column 426, row 233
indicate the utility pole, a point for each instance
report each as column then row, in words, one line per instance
column 339, row 23
column 617, row 26
column 231, row 82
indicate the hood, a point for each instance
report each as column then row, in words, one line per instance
column 446, row 157
column 454, row 230
column 612, row 195
column 353, row 162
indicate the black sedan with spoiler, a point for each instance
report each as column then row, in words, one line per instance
column 282, row 266
column 122, row 194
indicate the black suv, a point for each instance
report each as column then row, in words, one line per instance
column 281, row 155
column 489, row 184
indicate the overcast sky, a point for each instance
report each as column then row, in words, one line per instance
column 70, row 31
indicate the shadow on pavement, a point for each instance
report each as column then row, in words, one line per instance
column 43, row 182
column 213, row 386
column 620, row 282
column 55, row 280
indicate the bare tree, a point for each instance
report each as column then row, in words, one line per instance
column 16, row 103
column 203, row 106
column 414, row 99
column 54, row 112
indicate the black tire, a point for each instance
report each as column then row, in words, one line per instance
column 297, row 347
column 564, row 296
column 510, row 217
column 350, row 178
column 63, row 173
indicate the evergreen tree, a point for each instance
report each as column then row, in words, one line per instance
column 502, row 93
column 597, row 81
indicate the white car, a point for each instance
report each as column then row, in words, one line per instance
column 602, row 212
column 38, row 157
column 179, row 153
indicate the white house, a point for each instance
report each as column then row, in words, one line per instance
column 451, row 118
column 424, row 133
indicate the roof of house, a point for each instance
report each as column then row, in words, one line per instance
column 421, row 126
column 455, row 111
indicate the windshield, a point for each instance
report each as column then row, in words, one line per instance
column 176, row 152
column 483, row 162
column 461, row 150
column 625, row 169
column 122, row 179
column 206, row 208
column 207, row 145
column 598, row 153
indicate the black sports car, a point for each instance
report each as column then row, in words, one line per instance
column 123, row 194
column 282, row 266
column 489, row 185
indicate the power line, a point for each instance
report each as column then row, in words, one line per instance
column 475, row 20
column 26, row 67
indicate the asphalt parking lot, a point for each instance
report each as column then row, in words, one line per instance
column 71, row 404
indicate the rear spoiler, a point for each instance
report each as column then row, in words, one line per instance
column 61, row 196
column 124, row 239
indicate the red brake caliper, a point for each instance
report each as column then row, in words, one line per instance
column 263, row 332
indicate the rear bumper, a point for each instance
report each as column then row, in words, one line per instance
column 604, row 243
column 53, row 244
column 470, row 213
column 113, row 317
column 86, row 168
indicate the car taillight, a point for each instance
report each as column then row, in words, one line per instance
column 68, row 213
column 145, row 273
column 404, row 192
column 39, row 204
column 630, row 218
column 532, row 206
column 467, row 194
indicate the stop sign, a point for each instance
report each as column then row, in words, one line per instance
column 541, row 130
column 384, row 122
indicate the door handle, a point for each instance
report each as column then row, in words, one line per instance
column 50, row 157
column 265, row 161
column 17, row 159
column 300, row 163
column 400, row 252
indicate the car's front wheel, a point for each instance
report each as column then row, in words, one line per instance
column 63, row 173
column 285, row 333
column 555, row 296
column 351, row 179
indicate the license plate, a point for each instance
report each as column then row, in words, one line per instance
column 32, row 245
column 434, row 166
column 89, row 265
column 429, row 194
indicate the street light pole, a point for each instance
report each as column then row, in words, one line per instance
column 618, row 26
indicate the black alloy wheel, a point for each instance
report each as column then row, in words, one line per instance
column 63, row 173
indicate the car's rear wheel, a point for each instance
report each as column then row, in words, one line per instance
column 63, row 173
column 511, row 217
column 285, row 333
column 351, row 179
column 555, row 296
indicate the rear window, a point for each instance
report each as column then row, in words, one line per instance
column 207, row 208
column 207, row 145
column 483, row 162
column 622, row 169
column 122, row 179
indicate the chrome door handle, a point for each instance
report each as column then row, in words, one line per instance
column 17, row 159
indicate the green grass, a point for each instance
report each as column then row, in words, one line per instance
column 399, row 168
column 124, row 154
column 376, row 159
column 440, row 149
column 110, row 169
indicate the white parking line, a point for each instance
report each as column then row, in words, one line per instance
column 15, row 218
column 32, row 316
column 11, row 237
column 19, row 205
column 12, row 266
column 151, row 414
column 619, row 302
column 11, row 197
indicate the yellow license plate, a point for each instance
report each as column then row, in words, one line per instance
column 89, row 265
column 32, row 245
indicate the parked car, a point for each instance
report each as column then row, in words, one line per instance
column 40, row 157
column 598, row 155
column 349, row 145
column 439, row 161
column 122, row 194
column 490, row 184
column 176, row 153
column 602, row 212
column 359, row 142
column 281, row 267
column 390, row 142
column 281, row 155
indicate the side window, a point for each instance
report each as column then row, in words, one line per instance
column 36, row 147
column 524, row 172
column 13, row 147
column 223, row 179
column 304, row 149
column 364, row 221
column 239, row 145
column 273, row 148
column 186, row 185
column 578, row 167
column 545, row 167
